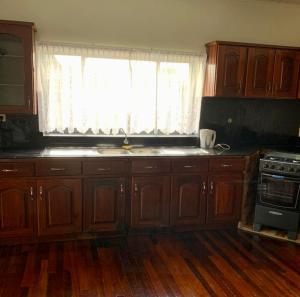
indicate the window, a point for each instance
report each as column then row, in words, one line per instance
column 97, row 91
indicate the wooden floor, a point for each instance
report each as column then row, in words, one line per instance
column 210, row 263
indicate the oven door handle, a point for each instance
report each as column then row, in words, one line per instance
column 281, row 177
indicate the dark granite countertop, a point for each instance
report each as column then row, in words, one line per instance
column 99, row 152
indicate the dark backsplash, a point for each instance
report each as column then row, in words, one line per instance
column 19, row 131
column 254, row 122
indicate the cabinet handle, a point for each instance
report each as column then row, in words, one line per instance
column 226, row 165
column 189, row 166
column 57, row 169
column 269, row 87
column 122, row 188
column 41, row 192
column 103, row 169
column 9, row 170
column 150, row 167
column 203, row 187
column 135, row 187
column 31, row 193
column 240, row 87
column 211, row 187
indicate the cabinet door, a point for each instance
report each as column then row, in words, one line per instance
column 286, row 73
column 104, row 204
column 188, row 202
column 150, row 201
column 260, row 69
column 224, row 198
column 59, row 206
column 231, row 70
column 16, row 68
column 17, row 208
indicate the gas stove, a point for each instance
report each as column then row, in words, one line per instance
column 278, row 193
column 281, row 163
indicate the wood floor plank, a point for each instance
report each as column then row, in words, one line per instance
column 188, row 283
column 244, row 268
column 191, row 264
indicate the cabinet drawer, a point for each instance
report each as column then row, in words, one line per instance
column 227, row 164
column 104, row 167
column 58, row 167
column 190, row 165
column 150, row 165
column 11, row 169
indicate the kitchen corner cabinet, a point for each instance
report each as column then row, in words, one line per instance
column 225, row 73
column 150, row 201
column 224, row 198
column 251, row 70
column 16, row 67
column 59, row 206
column 104, row 204
column 188, row 202
column 17, row 208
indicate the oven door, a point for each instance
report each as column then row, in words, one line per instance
column 279, row 191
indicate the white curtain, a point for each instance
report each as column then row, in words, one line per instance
column 96, row 91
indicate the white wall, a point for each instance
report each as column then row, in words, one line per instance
column 169, row 24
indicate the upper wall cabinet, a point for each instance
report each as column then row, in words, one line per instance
column 259, row 82
column 225, row 71
column 16, row 67
column 246, row 70
column 231, row 70
column 286, row 74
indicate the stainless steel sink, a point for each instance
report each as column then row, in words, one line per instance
column 69, row 152
column 113, row 151
column 144, row 151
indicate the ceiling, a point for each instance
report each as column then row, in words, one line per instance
column 283, row 1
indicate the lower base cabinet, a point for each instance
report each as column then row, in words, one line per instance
column 183, row 193
column 188, row 202
column 224, row 198
column 59, row 206
column 17, row 208
column 150, row 202
column 104, row 204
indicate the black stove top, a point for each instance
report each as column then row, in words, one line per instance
column 281, row 163
column 283, row 157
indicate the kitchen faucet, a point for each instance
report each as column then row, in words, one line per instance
column 125, row 141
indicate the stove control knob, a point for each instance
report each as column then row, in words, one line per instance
column 266, row 166
column 272, row 166
column 281, row 168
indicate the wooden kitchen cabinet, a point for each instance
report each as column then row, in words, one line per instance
column 224, row 198
column 104, row 204
column 150, row 204
column 16, row 67
column 286, row 73
column 17, row 208
column 188, row 202
column 59, row 206
column 226, row 69
column 240, row 70
column 260, row 70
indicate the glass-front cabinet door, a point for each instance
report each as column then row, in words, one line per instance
column 16, row 67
